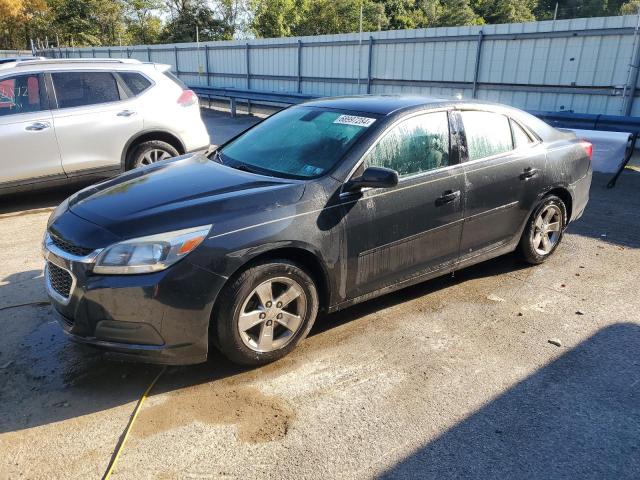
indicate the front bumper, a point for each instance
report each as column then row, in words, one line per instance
column 162, row 317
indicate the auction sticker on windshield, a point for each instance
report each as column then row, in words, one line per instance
column 354, row 120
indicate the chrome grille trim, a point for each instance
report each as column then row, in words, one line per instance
column 59, row 287
column 48, row 245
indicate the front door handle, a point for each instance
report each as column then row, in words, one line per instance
column 37, row 126
column 528, row 173
column 448, row 197
column 126, row 113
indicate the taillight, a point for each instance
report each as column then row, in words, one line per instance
column 588, row 147
column 187, row 98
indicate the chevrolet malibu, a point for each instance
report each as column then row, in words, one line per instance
column 316, row 208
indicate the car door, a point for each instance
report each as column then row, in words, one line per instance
column 414, row 228
column 503, row 165
column 29, row 149
column 93, row 120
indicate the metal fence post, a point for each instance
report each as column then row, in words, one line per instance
column 175, row 56
column 248, row 66
column 369, row 60
column 109, row 52
column 299, row 66
column 476, row 72
column 93, row 52
column 206, row 64
column 148, row 55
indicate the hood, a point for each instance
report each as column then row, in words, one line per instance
column 180, row 193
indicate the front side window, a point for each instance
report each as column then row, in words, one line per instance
column 415, row 145
column 77, row 89
column 300, row 142
column 20, row 94
column 487, row 134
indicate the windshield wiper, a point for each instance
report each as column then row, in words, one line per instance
column 245, row 168
column 217, row 157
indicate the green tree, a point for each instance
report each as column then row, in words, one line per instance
column 186, row 15
column 142, row 21
column 458, row 12
column 506, row 11
column 276, row 18
column 630, row 8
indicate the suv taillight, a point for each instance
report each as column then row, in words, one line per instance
column 187, row 98
column 588, row 147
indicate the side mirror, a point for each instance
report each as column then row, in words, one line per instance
column 374, row 177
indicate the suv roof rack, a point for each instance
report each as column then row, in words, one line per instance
column 75, row 60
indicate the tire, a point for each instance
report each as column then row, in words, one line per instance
column 533, row 248
column 253, row 295
column 150, row 152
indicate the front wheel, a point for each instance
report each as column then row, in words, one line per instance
column 265, row 312
column 544, row 231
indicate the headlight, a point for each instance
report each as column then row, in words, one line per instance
column 150, row 254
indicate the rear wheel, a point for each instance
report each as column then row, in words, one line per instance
column 265, row 312
column 544, row 231
column 150, row 152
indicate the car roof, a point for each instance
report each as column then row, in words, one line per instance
column 48, row 64
column 378, row 104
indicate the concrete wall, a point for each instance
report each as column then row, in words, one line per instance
column 579, row 65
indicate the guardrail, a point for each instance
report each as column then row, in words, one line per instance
column 234, row 94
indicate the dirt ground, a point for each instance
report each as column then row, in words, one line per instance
column 452, row 378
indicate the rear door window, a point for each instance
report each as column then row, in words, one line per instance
column 77, row 89
column 487, row 134
column 136, row 82
column 21, row 94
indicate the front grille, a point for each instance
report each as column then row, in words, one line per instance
column 60, row 280
column 70, row 247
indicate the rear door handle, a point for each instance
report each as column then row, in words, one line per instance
column 37, row 126
column 448, row 197
column 528, row 173
column 126, row 113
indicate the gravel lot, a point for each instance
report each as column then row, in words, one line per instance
column 452, row 378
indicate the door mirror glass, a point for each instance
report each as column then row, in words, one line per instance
column 374, row 177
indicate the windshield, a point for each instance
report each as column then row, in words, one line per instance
column 300, row 142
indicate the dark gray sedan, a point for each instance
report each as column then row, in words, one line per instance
column 319, row 207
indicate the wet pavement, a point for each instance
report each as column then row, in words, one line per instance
column 447, row 379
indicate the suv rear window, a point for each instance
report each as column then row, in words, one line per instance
column 175, row 79
column 135, row 82
column 76, row 89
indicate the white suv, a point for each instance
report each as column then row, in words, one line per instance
column 62, row 120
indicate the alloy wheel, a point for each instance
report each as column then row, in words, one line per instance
column 272, row 314
column 152, row 156
column 547, row 228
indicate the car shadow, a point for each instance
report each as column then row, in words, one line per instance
column 50, row 379
column 577, row 417
column 27, row 203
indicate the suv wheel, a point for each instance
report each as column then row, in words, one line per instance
column 544, row 231
column 150, row 152
column 265, row 312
